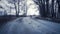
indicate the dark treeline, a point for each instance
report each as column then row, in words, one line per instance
column 49, row 8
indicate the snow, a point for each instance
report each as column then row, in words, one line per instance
column 28, row 25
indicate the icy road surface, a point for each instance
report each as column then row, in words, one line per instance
column 27, row 25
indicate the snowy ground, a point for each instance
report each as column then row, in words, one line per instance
column 28, row 25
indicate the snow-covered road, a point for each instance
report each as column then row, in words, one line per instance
column 27, row 25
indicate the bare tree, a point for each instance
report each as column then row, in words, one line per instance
column 15, row 2
column 18, row 7
column 42, row 6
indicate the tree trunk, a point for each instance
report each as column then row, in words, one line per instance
column 16, row 9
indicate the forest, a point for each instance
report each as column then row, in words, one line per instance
column 39, row 8
column 49, row 8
